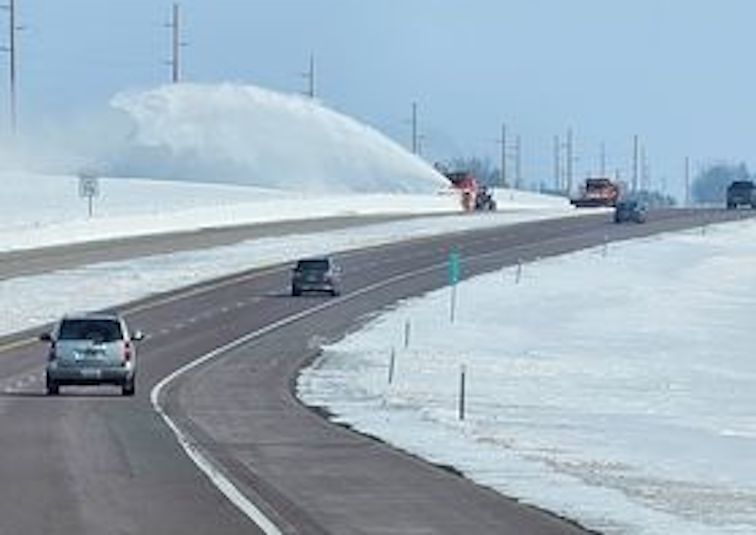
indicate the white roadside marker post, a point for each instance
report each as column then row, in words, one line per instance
column 392, row 364
column 462, row 392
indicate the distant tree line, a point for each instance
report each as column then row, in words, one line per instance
column 710, row 185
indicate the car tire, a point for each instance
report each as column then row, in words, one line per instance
column 129, row 389
column 53, row 389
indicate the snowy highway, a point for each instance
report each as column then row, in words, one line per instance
column 97, row 463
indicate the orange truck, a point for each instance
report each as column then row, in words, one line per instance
column 473, row 195
column 597, row 192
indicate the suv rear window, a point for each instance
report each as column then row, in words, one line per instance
column 313, row 265
column 97, row 330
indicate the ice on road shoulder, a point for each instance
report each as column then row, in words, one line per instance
column 614, row 387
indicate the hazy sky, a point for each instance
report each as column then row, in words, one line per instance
column 679, row 73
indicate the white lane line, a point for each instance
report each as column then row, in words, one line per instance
column 204, row 463
column 212, row 469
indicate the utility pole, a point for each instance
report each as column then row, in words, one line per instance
column 310, row 76
column 635, row 163
column 503, row 142
column 176, row 44
column 570, row 160
column 12, row 64
column 643, row 169
column 603, row 160
column 687, row 181
column 518, row 162
column 557, row 164
column 414, row 128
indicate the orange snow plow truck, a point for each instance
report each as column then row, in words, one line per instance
column 597, row 192
column 474, row 196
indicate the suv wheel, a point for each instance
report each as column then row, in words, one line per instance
column 52, row 388
column 128, row 389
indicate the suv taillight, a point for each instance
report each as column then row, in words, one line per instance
column 127, row 352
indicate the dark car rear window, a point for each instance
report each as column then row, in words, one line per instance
column 742, row 185
column 313, row 265
column 97, row 330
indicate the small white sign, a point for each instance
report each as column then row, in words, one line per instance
column 89, row 186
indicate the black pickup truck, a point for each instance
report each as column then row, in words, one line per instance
column 741, row 193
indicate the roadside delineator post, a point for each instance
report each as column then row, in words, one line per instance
column 462, row 373
column 392, row 364
column 518, row 271
column 407, row 330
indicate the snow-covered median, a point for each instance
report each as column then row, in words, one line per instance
column 35, row 300
column 618, row 389
column 43, row 210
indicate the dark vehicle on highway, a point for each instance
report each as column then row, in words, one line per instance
column 630, row 211
column 91, row 349
column 741, row 193
column 316, row 275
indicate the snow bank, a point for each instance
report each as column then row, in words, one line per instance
column 615, row 389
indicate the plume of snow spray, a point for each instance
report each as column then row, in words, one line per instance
column 250, row 135
column 231, row 133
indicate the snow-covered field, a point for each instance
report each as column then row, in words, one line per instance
column 47, row 210
column 617, row 389
column 38, row 210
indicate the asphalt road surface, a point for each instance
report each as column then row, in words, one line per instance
column 93, row 462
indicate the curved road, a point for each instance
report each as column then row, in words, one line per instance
column 92, row 462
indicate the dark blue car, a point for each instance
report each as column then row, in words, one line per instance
column 630, row 212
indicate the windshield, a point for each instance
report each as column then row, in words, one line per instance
column 313, row 265
column 98, row 331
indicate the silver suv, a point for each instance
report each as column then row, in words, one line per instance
column 91, row 349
